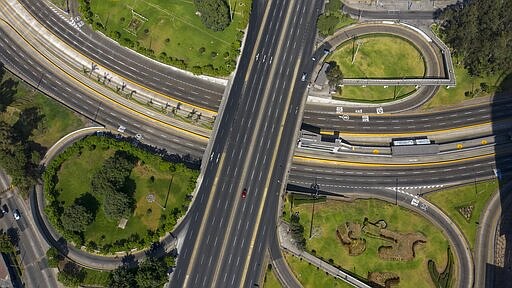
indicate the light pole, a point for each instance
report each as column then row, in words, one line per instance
column 316, row 187
column 396, row 191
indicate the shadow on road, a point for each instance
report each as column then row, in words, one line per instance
column 499, row 273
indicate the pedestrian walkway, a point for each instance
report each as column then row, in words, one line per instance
column 400, row 5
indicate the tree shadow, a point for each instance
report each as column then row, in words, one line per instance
column 8, row 89
column 90, row 203
column 28, row 121
column 129, row 261
column 14, row 236
column 499, row 272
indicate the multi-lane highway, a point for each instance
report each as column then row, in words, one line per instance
column 128, row 63
column 228, row 232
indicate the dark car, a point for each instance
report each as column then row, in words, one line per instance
column 244, row 193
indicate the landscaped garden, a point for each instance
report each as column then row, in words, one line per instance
column 173, row 32
column 375, row 240
column 465, row 204
column 111, row 196
column 378, row 56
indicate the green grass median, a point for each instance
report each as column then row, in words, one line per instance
column 379, row 56
column 464, row 205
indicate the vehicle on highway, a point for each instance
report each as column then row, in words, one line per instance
column 16, row 214
column 138, row 137
column 244, row 193
column 3, row 210
column 121, row 129
column 304, row 75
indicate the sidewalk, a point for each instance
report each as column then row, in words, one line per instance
column 402, row 5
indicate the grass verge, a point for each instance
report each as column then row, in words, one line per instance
column 468, row 87
column 378, row 56
column 329, row 215
column 374, row 94
column 457, row 202
column 271, row 280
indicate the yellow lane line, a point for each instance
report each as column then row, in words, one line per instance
column 200, row 236
column 122, row 77
column 276, row 149
column 100, row 94
column 317, row 160
column 380, row 134
column 253, row 138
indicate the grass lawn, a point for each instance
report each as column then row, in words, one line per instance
column 330, row 214
column 464, row 82
column 450, row 200
column 374, row 94
column 345, row 21
column 60, row 3
column 271, row 280
column 379, row 56
column 311, row 277
column 75, row 177
column 172, row 26
column 57, row 121
column 96, row 278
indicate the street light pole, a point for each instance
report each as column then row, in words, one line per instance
column 316, row 187
column 396, row 191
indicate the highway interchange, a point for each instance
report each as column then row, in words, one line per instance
column 230, row 163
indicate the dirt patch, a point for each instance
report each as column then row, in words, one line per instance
column 402, row 247
column 384, row 279
column 350, row 236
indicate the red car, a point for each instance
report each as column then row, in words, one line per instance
column 244, row 193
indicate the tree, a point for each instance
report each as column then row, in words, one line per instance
column 122, row 277
column 334, row 74
column 214, row 13
column 5, row 243
column 53, row 256
column 297, row 231
column 482, row 40
column 151, row 273
column 117, row 204
column 71, row 275
column 76, row 218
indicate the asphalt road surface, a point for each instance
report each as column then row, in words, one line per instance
column 36, row 272
column 83, row 100
column 228, row 234
column 128, row 63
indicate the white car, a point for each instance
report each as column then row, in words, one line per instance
column 415, row 202
column 138, row 137
column 121, row 128
column 16, row 214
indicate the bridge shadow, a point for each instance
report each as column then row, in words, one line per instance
column 499, row 270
